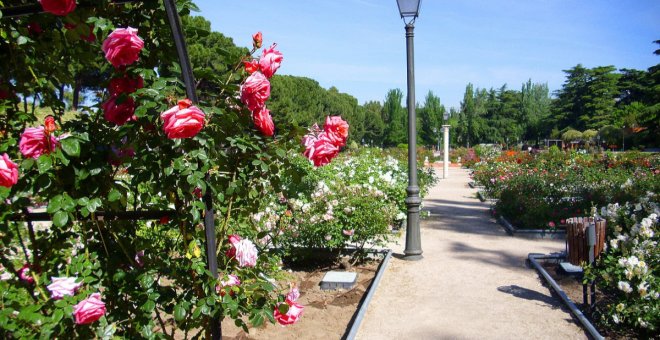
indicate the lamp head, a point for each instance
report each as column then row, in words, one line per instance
column 409, row 10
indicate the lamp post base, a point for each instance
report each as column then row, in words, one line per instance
column 412, row 257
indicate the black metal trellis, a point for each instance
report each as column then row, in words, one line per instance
column 186, row 71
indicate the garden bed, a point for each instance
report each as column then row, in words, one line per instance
column 571, row 287
column 532, row 233
column 328, row 314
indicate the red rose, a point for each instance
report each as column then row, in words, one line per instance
column 50, row 125
column 58, row 7
column 125, row 84
column 293, row 314
column 122, row 47
column 183, row 120
column 34, row 28
column 251, row 66
column 255, row 91
column 118, row 113
column 264, row 121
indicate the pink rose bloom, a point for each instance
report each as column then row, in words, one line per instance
column 292, row 315
column 270, row 61
column 255, row 91
column 36, row 142
column 349, row 232
column 251, row 66
column 336, row 130
column 58, row 7
column 232, row 280
column 551, row 224
column 320, row 150
column 8, row 171
column 246, row 253
column 89, row 310
column 257, row 39
column 24, row 274
column 293, row 294
column 263, row 121
column 125, row 84
column 62, row 286
column 122, row 47
column 118, row 113
column 183, row 120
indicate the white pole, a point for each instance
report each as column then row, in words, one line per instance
column 445, row 161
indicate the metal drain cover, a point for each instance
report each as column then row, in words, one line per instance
column 338, row 280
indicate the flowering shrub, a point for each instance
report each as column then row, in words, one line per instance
column 533, row 191
column 627, row 272
column 85, row 276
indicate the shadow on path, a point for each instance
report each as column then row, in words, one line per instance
column 528, row 294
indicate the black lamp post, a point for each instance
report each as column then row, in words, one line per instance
column 409, row 10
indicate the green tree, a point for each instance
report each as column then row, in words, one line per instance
column 431, row 116
column 395, row 119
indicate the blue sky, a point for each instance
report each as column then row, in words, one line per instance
column 358, row 46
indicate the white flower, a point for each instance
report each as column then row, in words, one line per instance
column 614, row 243
column 625, row 287
column 620, row 307
column 371, row 179
column 642, row 289
column 615, row 318
column 642, row 322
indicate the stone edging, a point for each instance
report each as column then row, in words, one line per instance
column 355, row 322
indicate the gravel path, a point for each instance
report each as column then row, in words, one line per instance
column 472, row 282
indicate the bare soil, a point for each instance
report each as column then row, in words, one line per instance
column 327, row 313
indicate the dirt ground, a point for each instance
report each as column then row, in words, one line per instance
column 326, row 315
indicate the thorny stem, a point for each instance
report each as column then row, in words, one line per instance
column 20, row 240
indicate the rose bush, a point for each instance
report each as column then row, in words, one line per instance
column 87, row 275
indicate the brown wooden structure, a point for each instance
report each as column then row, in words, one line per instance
column 577, row 239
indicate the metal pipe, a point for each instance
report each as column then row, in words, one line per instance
column 445, row 159
column 209, row 215
column 105, row 215
column 413, row 249
column 23, row 10
column 583, row 320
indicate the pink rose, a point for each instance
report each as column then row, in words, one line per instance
column 8, row 171
column 264, row 121
column 293, row 294
column 320, row 149
column 257, row 39
column 125, row 84
column 270, row 61
column 183, row 120
column 118, row 113
column 36, row 142
column 58, row 7
column 292, row 315
column 122, row 46
column 255, row 91
column 348, row 232
column 336, row 130
column 232, row 280
column 50, row 125
column 89, row 310
column 551, row 224
column 62, row 286
column 246, row 253
column 24, row 273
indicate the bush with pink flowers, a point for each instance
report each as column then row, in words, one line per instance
column 139, row 146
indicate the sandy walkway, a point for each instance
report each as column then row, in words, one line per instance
column 472, row 282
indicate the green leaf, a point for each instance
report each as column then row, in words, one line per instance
column 68, row 204
column 60, row 218
column 71, row 146
column 148, row 306
column 114, row 195
column 55, row 204
column 44, row 163
column 57, row 316
column 22, row 40
column 179, row 312
column 283, row 308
